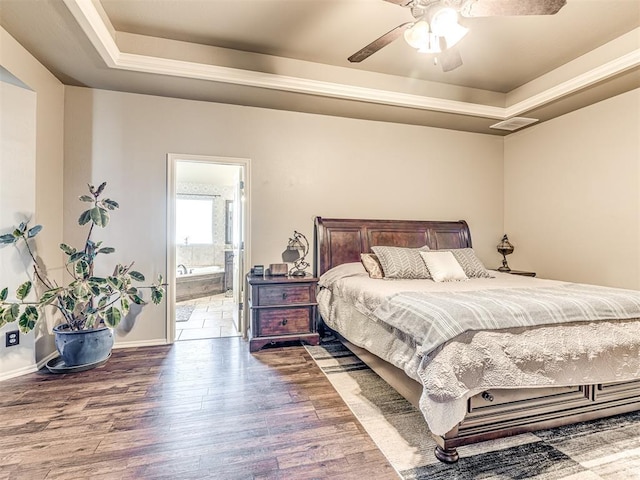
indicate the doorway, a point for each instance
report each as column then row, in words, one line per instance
column 207, row 231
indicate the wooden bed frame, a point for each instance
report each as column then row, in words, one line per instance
column 491, row 414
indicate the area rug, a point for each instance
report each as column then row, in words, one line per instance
column 183, row 312
column 606, row 449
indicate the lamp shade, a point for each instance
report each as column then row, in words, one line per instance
column 505, row 248
column 291, row 254
column 436, row 31
column 419, row 36
column 442, row 19
column 295, row 253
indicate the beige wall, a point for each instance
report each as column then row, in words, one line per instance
column 572, row 195
column 573, row 181
column 48, row 167
column 17, row 201
column 302, row 165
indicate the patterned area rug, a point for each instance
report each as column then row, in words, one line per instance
column 183, row 312
column 606, row 449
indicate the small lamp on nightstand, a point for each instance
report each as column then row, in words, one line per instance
column 505, row 248
column 295, row 253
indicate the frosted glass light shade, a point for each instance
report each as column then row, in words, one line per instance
column 419, row 36
column 442, row 20
column 455, row 34
column 444, row 23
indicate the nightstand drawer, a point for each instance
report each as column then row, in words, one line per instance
column 283, row 309
column 283, row 321
column 284, row 294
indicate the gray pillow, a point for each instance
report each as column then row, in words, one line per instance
column 401, row 262
column 470, row 262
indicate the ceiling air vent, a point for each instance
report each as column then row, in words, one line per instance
column 514, row 123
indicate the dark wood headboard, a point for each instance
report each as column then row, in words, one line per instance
column 339, row 241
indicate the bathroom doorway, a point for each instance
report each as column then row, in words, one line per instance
column 206, row 247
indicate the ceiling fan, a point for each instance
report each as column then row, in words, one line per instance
column 436, row 29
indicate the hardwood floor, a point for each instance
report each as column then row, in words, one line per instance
column 194, row 410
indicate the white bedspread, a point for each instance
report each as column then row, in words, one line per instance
column 553, row 355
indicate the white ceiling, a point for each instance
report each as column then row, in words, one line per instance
column 292, row 54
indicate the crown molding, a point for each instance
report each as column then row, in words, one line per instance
column 178, row 68
column 87, row 16
column 580, row 82
column 93, row 24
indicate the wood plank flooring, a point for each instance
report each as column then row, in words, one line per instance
column 194, row 410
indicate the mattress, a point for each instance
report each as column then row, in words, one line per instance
column 565, row 354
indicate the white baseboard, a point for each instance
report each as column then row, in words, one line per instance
column 143, row 343
column 28, row 369
column 18, row 372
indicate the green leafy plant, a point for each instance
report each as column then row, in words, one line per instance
column 87, row 301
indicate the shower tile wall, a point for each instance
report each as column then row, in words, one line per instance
column 205, row 255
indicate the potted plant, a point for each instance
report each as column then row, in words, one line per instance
column 90, row 305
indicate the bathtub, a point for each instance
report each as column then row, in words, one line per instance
column 199, row 282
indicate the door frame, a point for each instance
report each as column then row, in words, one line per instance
column 170, row 241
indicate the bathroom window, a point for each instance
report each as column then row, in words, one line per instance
column 194, row 218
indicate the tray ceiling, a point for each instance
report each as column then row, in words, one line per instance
column 292, row 54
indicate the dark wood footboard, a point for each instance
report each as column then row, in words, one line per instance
column 501, row 413
column 505, row 412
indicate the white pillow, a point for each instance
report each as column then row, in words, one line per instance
column 443, row 266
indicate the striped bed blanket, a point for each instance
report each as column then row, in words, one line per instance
column 432, row 318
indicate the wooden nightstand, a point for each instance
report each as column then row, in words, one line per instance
column 282, row 309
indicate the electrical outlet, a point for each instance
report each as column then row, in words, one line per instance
column 13, row 338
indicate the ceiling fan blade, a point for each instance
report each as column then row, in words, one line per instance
column 490, row 8
column 450, row 59
column 379, row 43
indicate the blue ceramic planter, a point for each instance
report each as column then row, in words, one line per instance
column 83, row 347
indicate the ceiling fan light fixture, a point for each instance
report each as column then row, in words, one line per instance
column 419, row 36
column 455, row 33
column 444, row 23
column 442, row 19
column 438, row 30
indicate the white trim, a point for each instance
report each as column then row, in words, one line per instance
column 141, row 343
column 595, row 75
column 170, row 242
column 93, row 25
column 18, row 372
column 235, row 76
column 28, row 369
column 172, row 159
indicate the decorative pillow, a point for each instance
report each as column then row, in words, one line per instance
column 443, row 266
column 372, row 265
column 469, row 262
column 337, row 273
column 401, row 262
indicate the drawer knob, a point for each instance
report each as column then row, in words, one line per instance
column 487, row 396
column 284, row 322
column 284, row 296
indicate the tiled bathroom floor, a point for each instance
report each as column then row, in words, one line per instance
column 212, row 317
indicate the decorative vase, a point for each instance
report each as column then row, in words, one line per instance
column 83, row 347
